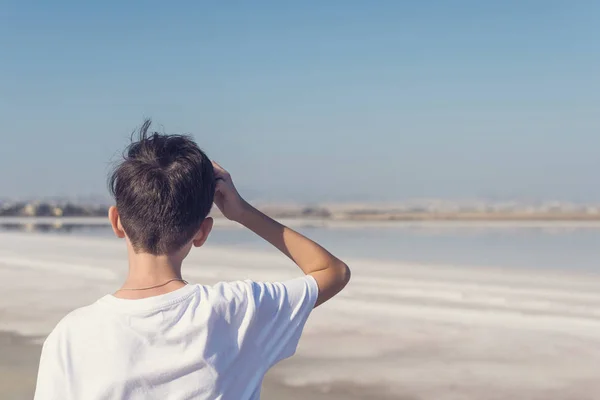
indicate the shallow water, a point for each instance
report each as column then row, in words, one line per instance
column 510, row 245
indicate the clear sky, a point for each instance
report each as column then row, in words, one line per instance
column 315, row 100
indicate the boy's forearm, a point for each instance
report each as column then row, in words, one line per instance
column 329, row 272
column 308, row 255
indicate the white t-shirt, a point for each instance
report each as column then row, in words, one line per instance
column 197, row 342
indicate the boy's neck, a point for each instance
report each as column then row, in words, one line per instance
column 147, row 270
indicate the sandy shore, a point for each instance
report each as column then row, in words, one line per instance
column 18, row 366
column 412, row 332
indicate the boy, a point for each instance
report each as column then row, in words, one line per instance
column 158, row 337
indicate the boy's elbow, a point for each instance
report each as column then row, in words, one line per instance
column 332, row 280
column 343, row 274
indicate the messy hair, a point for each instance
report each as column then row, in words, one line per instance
column 163, row 188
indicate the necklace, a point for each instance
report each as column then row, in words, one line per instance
column 156, row 286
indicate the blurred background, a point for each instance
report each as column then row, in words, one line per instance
column 447, row 150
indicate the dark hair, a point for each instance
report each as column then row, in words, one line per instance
column 163, row 188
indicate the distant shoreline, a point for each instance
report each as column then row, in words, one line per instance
column 476, row 222
column 359, row 213
column 448, row 216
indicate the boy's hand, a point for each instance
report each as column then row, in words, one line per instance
column 227, row 198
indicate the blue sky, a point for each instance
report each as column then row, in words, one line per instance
column 316, row 100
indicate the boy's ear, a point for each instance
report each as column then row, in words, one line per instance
column 115, row 221
column 203, row 232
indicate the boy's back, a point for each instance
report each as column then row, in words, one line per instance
column 157, row 337
column 197, row 342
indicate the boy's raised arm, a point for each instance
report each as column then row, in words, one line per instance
column 330, row 273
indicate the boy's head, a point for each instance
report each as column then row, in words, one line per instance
column 164, row 190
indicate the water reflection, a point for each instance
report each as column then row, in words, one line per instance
column 60, row 227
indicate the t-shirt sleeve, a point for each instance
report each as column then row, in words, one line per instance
column 51, row 380
column 281, row 310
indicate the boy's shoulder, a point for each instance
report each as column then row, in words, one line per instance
column 81, row 319
column 94, row 315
